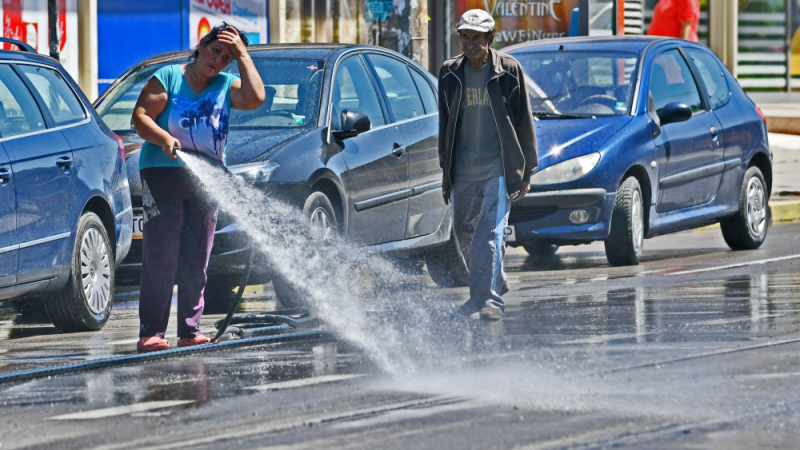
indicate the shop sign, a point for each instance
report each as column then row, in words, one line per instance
column 250, row 16
column 378, row 9
column 522, row 21
column 27, row 21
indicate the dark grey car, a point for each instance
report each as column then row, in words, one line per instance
column 377, row 181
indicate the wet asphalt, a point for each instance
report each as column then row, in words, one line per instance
column 697, row 347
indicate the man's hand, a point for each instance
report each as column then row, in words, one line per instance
column 523, row 189
column 446, row 197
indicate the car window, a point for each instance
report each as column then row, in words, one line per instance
column 713, row 77
column 579, row 82
column 426, row 92
column 672, row 81
column 353, row 90
column 19, row 113
column 56, row 93
column 399, row 87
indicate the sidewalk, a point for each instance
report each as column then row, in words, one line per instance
column 785, row 199
column 782, row 117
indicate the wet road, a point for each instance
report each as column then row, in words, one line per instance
column 697, row 347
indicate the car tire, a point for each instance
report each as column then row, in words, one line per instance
column 541, row 249
column 318, row 209
column 624, row 242
column 447, row 265
column 85, row 303
column 748, row 228
column 218, row 294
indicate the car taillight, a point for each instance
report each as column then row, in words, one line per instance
column 761, row 114
column 121, row 146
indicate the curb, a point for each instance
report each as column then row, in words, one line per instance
column 785, row 210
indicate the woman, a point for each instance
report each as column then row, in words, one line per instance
column 185, row 107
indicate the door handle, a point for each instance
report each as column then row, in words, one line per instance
column 5, row 176
column 398, row 150
column 713, row 131
column 65, row 163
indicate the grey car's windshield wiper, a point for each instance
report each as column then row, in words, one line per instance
column 547, row 115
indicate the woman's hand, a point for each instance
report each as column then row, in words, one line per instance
column 231, row 38
column 170, row 146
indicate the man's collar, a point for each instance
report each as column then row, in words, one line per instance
column 494, row 60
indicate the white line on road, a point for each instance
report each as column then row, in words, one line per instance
column 302, row 383
column 606, row 338
column 733, row 266
column 121, row 410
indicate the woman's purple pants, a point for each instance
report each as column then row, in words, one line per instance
column 178, row 233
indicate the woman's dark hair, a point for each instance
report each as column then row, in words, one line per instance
column 213, row 35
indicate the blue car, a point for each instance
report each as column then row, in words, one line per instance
column 65, row 204
column 639, row 137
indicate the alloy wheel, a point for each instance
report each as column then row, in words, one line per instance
column 321, row 224
column 95, row 271
column 637, row 221
column 756, row 207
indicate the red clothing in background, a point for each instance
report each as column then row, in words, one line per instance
column 669, row 14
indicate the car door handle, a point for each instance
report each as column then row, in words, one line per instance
column 398, row 150
column 64, row 161
column 713, row 131
column 5, row 176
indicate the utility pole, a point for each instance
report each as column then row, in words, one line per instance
column 52, row 20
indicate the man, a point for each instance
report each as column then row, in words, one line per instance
column 676, row 18
column 487, row 149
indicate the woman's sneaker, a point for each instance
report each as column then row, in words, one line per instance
column 197, row 340
column 152, row 344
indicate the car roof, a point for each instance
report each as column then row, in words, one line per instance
column 26, row 56
column 612, row 43
column 303, row 51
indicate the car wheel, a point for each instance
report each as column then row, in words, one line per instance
column 624, row 243
column 85, row 302
column 447, row 265
column 540, row 249
column 218, row 294
column 748, row 228
column 324, row 225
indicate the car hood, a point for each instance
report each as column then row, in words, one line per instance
column 246, row 145
column 561, row 139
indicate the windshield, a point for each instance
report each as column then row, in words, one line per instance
column 579, row 83
column 292, row 86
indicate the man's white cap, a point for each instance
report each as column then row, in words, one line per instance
column 476, row 20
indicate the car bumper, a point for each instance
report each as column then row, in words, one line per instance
column 545, row 216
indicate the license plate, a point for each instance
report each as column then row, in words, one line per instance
column 138, row 223
column 511, row 233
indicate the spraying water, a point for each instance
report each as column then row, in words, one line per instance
column 411, row 330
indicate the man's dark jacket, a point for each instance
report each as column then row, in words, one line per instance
column 511, row 106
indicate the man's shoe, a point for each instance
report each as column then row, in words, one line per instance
column 467, row 310
column 192, row 341
column 152, row 344
column 491, row 313
column 504, row 289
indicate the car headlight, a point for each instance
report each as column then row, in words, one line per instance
column 258, row 172
column 568, row 170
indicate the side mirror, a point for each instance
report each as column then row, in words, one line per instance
column 674, row 112
column 353, row 123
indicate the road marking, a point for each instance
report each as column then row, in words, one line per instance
column 302, row 383
column 668, row 269
column 733, row 266
column 735, row 320
column 606, row 338
column 770, row 376
column 121, row 410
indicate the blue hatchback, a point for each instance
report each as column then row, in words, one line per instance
column 65, row 204
column 639, row 137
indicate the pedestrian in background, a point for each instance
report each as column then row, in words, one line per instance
column 185, row 107
column 487, row 149
column 676, row 18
